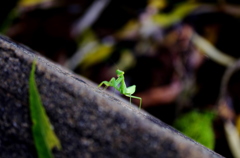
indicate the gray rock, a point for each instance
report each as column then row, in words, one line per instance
column 88, row 121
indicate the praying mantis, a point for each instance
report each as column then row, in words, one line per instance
column 120, row 85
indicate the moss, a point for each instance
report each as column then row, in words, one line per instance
column 198, row 126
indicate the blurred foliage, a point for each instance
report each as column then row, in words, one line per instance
column 8, row 21
column 7, row 14
column 97, row 55
column 238, row 123
column 175, row 52
column 198, row 126
column 159, row 4
column 27, row 3
column 175, row 16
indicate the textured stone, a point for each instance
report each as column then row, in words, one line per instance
column 88, row 121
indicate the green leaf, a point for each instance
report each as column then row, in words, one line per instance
column 166, row 20
column 43, row 134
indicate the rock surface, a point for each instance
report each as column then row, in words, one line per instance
column 88, row 121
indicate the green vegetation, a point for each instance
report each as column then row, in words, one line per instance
column 198, row 126
column 43, row 134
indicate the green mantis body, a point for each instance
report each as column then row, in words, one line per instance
column 119, row 84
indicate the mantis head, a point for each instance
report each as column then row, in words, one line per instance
column 119, row 72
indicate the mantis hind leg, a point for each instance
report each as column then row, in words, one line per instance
column 140, row 99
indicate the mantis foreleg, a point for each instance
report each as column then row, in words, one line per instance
column 111, row 83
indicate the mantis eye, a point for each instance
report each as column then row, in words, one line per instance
column 119, row 72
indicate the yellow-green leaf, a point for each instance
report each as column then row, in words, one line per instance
column 97, row 55
column 26, row 3
column 43, row 134
column 175, row 16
